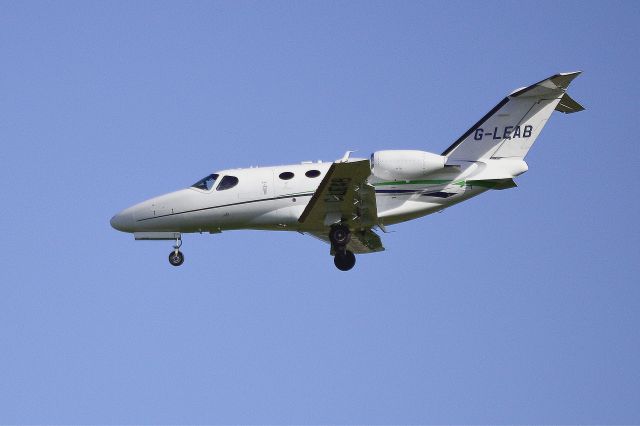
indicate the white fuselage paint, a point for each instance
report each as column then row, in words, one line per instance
column 263, row 201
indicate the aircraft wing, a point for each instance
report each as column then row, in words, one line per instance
column 361, row 242
column 343, row 196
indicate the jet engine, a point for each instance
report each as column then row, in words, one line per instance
column 405, row 164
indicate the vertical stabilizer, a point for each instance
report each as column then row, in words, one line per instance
column 511, row 127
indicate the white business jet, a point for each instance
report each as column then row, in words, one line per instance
column 343, row 202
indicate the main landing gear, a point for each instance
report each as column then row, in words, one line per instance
column 344, row 260
column 176, row 258
column 339, row 235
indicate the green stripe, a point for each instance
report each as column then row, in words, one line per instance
column 460, row 183
column 414, row 182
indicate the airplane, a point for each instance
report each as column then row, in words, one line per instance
column 344, row 202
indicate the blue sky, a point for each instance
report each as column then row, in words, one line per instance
column 518, row 306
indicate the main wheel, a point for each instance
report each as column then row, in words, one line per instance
column 344, row 261
column 339, row 235
column 176, row 258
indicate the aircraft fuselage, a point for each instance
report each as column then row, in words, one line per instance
column 262, row 200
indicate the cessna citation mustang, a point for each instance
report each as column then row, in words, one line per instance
column 343, row 202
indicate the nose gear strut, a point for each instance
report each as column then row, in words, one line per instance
column 176, row 258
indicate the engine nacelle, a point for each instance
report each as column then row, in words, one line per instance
column 405, row 164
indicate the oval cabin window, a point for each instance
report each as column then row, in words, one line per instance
column 286, row 175
column 312, row 173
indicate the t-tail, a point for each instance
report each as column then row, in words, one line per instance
column 511, row 127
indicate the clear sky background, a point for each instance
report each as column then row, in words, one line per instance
column 518, row 306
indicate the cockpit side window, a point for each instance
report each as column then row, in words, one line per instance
column 206, row 183
column 227, row 182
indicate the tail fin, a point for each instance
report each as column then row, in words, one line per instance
column 511, row 127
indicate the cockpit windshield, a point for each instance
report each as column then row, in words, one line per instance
column 206, row 183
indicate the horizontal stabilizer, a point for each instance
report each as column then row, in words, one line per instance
column 568, row 105
column 501, row 184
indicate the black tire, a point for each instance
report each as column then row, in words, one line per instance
column 344, row 261
column 339, row 235
column 176, row 258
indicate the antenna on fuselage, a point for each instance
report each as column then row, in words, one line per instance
column 345, row 158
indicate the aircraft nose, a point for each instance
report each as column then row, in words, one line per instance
column 123, row 221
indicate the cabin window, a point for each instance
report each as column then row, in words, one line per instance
column 206, row 183
column 227, row 182
column 286, row 175
column 312, row 173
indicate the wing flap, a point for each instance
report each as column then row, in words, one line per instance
column 362, row 242
column 365, row 241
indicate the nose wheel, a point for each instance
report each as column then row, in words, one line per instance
column 176, row 258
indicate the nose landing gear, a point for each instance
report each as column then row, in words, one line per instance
column 176, row 258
